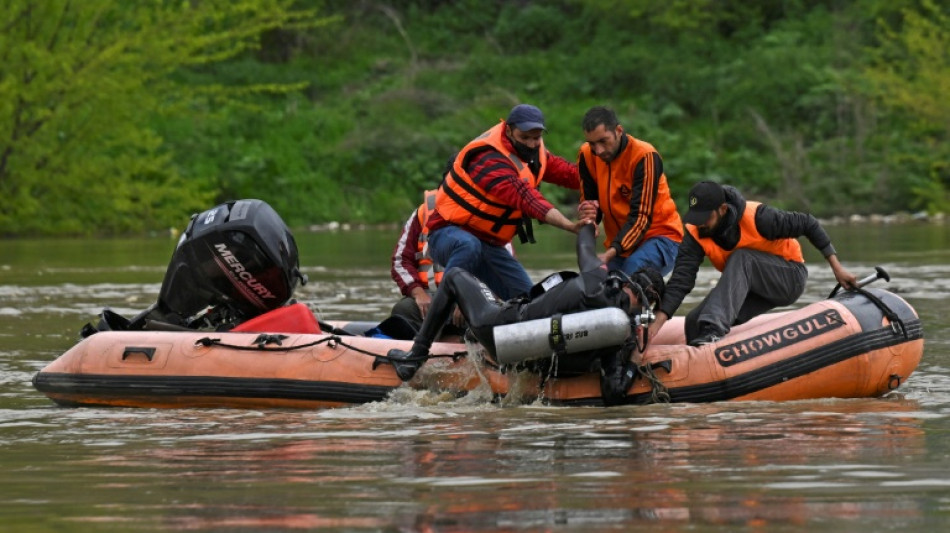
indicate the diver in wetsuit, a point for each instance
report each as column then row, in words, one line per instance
column 566, row 292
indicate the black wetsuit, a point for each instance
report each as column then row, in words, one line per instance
column 483, row 310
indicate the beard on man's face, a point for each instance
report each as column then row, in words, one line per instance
column 707, row 231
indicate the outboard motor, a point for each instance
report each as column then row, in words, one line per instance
column 233, row 262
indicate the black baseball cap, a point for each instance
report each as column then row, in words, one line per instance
column 704, row 198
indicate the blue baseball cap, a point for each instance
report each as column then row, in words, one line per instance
column 526, row 117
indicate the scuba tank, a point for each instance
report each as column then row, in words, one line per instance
column 571, row 333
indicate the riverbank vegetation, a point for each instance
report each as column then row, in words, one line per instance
column 123, row 117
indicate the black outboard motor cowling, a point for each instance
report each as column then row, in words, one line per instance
column 233, row 262
column 239, row 255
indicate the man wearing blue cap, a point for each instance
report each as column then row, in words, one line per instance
column 490, row 194
column 755, row 247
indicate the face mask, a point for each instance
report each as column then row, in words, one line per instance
column 525, row 152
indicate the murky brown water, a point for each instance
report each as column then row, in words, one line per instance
column 422, row 463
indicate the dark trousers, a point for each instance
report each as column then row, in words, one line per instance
column 407, row 309
column 752, row 283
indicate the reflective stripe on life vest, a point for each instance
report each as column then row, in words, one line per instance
column 427, row 268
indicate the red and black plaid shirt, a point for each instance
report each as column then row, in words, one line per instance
column 494, row 173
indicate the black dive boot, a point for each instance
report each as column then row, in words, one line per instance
column 405, row 363
column 616, row 377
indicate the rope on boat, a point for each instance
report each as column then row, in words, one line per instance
column 658, row 391
column 262, row 342
column 551, row 372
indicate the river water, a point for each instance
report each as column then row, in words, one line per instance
column 423, row 463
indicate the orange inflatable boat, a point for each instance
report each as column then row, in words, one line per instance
column 853, row 345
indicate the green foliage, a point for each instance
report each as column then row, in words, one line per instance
column 911, row 72
column 121, row 117
column 82, row 83
column 533, row 27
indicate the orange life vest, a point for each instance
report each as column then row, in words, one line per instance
column 427, row 268
column 463, row 202
column 614, row 190
column 750, row 238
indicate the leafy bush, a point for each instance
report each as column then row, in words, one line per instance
column 152, row 111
